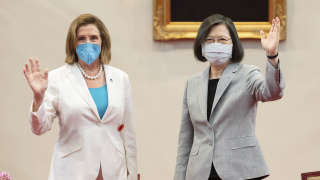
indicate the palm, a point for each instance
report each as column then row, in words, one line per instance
column 271, row 43
column 37, row 81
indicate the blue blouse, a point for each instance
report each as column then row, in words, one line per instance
column 100, row 97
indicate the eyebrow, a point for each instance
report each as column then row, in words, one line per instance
column 218, row 36
column 80, row 36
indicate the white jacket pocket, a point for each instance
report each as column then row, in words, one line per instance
column 69, row 147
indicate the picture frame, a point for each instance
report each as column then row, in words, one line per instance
column 311, row 176
column 165, row 29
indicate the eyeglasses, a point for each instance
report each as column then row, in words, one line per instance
column 222, row 40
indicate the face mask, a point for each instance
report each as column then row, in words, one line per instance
column 217, row 53
column 88, row 52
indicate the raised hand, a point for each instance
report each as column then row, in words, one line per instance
column 271, row 43
column 37, row 81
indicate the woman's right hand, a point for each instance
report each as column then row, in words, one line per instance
column 37, row 81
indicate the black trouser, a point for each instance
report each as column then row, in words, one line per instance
column 214, row 175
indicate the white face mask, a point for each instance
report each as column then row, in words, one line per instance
column 217, row 53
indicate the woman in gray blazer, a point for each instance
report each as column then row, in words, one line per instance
column 217, row 135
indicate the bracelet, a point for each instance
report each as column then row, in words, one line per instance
column 274, row 56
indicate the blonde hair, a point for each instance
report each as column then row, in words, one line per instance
column 82, row 20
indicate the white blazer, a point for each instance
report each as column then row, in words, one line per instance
column 85, row 141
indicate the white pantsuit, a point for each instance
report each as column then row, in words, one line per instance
column 85, row 141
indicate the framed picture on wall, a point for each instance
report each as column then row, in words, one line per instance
column 311, row 176
column 180, row 19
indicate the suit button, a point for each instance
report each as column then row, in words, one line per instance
column 210, row 144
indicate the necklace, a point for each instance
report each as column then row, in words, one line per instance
column 90, row 77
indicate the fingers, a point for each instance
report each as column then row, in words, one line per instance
column 272, row 26
column 275, row 25
column 32, row 65
column 46, row 74
column 278, row 26
column 26, row 71
column 37, row 65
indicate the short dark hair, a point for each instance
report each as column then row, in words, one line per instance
column 204, row 30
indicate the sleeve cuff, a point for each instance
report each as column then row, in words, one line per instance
column 276, row 67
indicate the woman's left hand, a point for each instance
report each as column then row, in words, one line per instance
column 271, row 43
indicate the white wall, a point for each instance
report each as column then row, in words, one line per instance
column 288, row 130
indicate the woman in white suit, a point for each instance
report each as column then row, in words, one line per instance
column 92, row 101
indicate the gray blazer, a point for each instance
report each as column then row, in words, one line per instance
column 228, row 139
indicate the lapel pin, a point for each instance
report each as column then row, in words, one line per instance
column 120, row 127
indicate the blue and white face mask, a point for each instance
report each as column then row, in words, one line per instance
column 88, row 52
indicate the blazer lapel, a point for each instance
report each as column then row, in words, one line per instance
column 223, row 83
column 203, row 84
column 80, row 86
column 110, row 87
